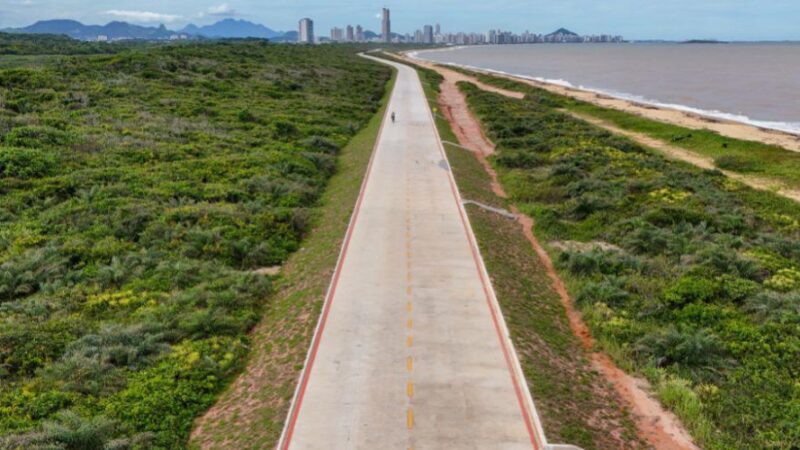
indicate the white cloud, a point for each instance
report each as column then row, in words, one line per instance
column 223, row 10
column 143, row 16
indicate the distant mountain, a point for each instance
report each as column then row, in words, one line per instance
column 563, row 32
column 70, row 28
column 112, row 30
column 232, row 28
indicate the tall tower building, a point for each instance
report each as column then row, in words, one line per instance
column 360, row 33
column 438, row 29
column 306, row 31
column 351, row 37
column 427, row 34
column 387, row 26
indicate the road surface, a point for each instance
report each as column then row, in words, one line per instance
column 411, row 350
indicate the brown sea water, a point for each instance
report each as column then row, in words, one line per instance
column 757, row 83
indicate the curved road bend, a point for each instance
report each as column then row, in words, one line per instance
column 411, row 350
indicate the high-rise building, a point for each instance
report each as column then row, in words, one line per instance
column 337, row 34
column 351, row 36
column 306, row 31
column 386, row 26
column 438, row 29
column 427, row 34
column 360, row 34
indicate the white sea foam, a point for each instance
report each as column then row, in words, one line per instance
column 786, row 127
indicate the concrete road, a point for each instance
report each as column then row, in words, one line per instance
column 411, row 349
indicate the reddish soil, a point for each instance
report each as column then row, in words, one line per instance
column 657, row 426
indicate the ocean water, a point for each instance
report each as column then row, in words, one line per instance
column 756, row 83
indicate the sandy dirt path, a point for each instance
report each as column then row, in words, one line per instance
column 656, row 425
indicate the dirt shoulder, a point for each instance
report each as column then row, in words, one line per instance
column 657, row 426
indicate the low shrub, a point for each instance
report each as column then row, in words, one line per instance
column 735, row 163
column 38, row 137
column 610, row 292
column 690, row 289
column 691, row 349
column 25, row 163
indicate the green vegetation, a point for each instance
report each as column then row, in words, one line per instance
column 576, row 406
column 50, row 44
column 141, row 192
column 685, row 275
column 735, row 155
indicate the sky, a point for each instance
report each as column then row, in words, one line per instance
column 634, row 19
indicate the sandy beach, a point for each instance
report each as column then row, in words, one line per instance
column 736, row 130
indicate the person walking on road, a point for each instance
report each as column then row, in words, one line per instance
column 392, row 116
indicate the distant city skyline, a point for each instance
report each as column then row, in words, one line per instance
column 674, row 20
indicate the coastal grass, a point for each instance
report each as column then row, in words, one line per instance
column 575, row 404
column 251, row 413
column 684, row 275
column 735, row 155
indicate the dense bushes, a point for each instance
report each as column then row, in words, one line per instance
column 140, row 192
column 50, row 44
column 25, row 163
column 690, row 275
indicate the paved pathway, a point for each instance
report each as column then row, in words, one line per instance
column 411, row 351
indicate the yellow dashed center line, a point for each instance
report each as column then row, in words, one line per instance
column 409, row 321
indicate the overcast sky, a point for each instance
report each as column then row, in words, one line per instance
column 635, row 19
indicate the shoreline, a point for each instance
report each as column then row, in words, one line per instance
column 680, row 115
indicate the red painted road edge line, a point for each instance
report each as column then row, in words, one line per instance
column 284, row 445
column 476, row 257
